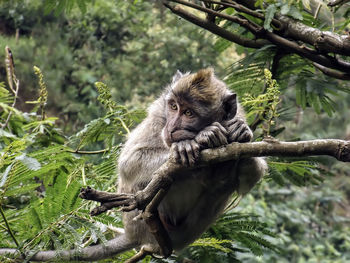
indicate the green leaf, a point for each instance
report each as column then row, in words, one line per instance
column 294, row 12
column 22, row 189
column 269, row 14
column 285, row 9
column 31, row 163
column 212, row 242
column 5, row 175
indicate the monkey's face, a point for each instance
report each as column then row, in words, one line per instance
column 194, row 102
column 184, row 119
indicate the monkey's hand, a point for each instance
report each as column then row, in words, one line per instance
column 238, row 130
column 186, row 152
column 212, row 136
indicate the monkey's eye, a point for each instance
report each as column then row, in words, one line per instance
column 188, row 113
column 173, row 106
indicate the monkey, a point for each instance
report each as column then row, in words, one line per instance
column 196, row 111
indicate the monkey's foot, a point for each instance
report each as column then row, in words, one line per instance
column 144, row 251
column 108, row 200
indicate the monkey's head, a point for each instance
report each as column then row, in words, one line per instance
column 194, row 101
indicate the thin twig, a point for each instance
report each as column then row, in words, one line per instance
column 88, row 152
column 8, row 227
column 254, row 28
column 246, row 10
column 215, row 29
column 12, row 79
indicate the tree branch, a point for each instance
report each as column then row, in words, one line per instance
column 323, row 41
column 243, row 9
column 337, row 2
column 213, row 28
column 332, row 73
column 91, row 253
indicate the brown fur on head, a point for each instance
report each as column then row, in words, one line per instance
column 193, row 102
column 201, row 86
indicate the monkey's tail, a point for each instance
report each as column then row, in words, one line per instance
column 91, row 253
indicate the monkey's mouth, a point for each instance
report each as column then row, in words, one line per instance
column 181, row 135
column 170, row 225
column 176, row 136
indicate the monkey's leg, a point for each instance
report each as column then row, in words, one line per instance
column 107, row 200
column 91, row 194
column 155, row 225
column 250, row 170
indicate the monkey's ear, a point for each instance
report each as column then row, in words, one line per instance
column 230, row 105
column 177, row 76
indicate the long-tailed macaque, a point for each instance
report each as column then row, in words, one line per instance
column 195, row 112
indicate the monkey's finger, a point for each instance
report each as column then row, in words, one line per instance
column 195, row 149
column 190, row 154
column 203, row 139
column 214, row 139
column 217, row 137
column 222, row 138
column 234, row 136
column 183, row 153
column 222, row 129
column 246, row 136
column 128, row 208
column 175, row 151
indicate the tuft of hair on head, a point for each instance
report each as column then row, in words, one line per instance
column 204, row 86
column 202, row 78
column 201, row 86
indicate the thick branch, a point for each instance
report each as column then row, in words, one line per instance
column 162, row 178
column 337, row 2
column 323, row 41
column 254, row 28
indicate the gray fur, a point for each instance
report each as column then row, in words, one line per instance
column 197, row 197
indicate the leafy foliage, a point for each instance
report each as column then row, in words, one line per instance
column 40, row 180
column 296, row 214
column 112, row 42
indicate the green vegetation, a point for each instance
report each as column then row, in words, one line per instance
column 98, row 65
